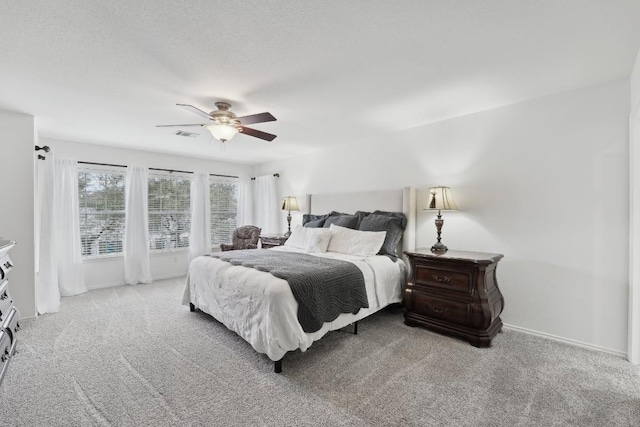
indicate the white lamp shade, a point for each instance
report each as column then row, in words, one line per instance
column 290, row 204
column 441, row 199
column 222, row 132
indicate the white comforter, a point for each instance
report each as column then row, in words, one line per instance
column 262, row 309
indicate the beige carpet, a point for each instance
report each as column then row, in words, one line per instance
column 132, row 355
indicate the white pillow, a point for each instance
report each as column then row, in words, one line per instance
column 296, row 239
column 309, row 239
column 318, row 239
column 355, row 242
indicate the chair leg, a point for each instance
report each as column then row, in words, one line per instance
column 277, row 366
column 192, row 307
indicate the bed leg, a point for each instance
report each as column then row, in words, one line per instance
column 277, row 366
column 192, row 307
column 355, row 328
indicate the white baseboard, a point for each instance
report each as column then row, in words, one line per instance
column 104, row 285
column 568, row 341
column 110, row 285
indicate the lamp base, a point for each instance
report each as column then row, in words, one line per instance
column 288, row 233
column 439, row 248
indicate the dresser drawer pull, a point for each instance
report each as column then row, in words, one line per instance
column 6, row 355
column 437, row 309
column 441, row 279
column 4, row 295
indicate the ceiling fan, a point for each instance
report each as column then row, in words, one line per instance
column 224, row 125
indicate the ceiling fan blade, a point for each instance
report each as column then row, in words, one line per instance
column 195, row 110
column 256, row 118
column 168, row 126
column 258, row 133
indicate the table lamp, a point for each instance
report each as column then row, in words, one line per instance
column 440, row 199
column 289, row 204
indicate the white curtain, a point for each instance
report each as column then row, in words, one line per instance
column 47, row 291
column 67, row 233
column 267, row 206
column 200, row 241
column 136, row 232
column 245, row 203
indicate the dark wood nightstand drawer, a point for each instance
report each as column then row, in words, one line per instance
column 443, row 278
column 438, row 308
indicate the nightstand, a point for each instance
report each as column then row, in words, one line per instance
column 455, row 293
column 272, row 241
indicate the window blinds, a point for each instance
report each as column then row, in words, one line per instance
column 223, row 194
column 169, row 212
column 102, row 210
column 102, row 215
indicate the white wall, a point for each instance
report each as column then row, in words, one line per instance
column 635, row 84
column 109, row 271
column 634, row 234
column 545, row 182
column 17, row 140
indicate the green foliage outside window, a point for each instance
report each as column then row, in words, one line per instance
column 224, row 210
column 169, row 212
column 102, row 211
column 102, row 214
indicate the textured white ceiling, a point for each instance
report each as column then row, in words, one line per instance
column 332, row 71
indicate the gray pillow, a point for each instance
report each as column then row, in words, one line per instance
column 348, row 221
column 306, row 218
column 394, row 214
column 315, row 224
column 361, row 215
column 392, row 225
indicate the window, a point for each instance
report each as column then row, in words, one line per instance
column 102, row 215
column 169, row 212
column 223, row 193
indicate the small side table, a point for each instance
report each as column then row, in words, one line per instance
column 272, row 241
column 455, row 293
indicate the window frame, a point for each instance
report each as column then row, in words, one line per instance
column 170, row 175
column 94, row 169
column 213, row 179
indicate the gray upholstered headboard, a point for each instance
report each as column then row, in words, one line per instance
column 400, row 200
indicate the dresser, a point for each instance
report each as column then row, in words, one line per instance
column 9, row 314
column 272, row 241
column 454, row 293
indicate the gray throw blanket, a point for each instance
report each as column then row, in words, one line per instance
column 323, row 287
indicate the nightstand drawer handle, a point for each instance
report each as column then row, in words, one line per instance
column 438, row 309
column 441, row 279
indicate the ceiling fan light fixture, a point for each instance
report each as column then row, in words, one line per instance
column 222, row 132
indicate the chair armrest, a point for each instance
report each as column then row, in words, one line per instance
column 225, row 247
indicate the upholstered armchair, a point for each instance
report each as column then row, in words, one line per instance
column 245, row 237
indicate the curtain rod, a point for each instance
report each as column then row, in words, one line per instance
column 277, row 175
column 153, row 169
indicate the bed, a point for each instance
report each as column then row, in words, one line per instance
column 261, row 308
